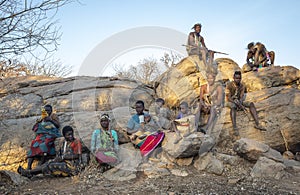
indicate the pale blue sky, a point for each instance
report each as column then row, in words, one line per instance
column 228, row 25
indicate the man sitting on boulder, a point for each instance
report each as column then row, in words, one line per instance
column 161, row 114
column 143, row 130
column 211, row 99
column 258, row 55
column 67, row 162
column 196, row 44
column 235, row 101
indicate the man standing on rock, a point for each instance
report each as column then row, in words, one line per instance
column 235, row 91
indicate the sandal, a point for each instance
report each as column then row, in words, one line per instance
column 23, row 172
column 259, row 127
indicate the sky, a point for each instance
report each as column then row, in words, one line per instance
column 227, row 26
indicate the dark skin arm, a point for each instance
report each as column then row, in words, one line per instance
column 130, row 131
column 202, row 42
column 191, row 41
column 250, row 55
column 260, row 52
column 55, row 122
column 203, row 90
column 229, row 98
column 219, row 96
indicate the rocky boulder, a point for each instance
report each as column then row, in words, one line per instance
column 271, row 77
column 252, row 150
column 210, row 164
column 187, row 147
column 226, row 68
column 181, row 83
column 268, row 168
column 274, row 90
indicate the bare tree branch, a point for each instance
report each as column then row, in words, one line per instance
column 51, row 68
column 170, row 59
column 26, row 25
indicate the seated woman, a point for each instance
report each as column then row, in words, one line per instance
column 46, row 130
column 67, row 162
column 104, row 143
column 143, row 130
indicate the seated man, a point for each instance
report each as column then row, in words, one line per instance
column 46, row 130
column 104, row 143
column 142, row 128
column 196, row 44
column 161, row 114
column 259, row 56
column 235, row 100
column 66, row 163
column 211, row 98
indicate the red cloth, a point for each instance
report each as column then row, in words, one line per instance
column 102, row 158
column 151, row 143
column 76, row 146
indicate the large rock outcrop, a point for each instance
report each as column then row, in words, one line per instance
column 274, row 90
column 181, row 83
column 78, row 101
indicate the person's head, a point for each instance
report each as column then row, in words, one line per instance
column 48, row 109
column 147, row 117
column 184, row 107
column 197, row 27
column 139, row 107
column 250, row 45
column 237, row 77
column 104, row 121
column 160, row 102
column 211, row 77
column 68, row 133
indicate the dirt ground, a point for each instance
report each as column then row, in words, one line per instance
column 196, row 182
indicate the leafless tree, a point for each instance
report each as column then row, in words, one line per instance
column 11, row 69
column 148, row 69
column 51, row 68
column 170, row 59
column 27, row 25
column 145, row 71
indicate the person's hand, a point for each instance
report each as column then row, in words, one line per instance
column 133, row 137
column 238, row 104
column 47, row 119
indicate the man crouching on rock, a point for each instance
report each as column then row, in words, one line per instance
column 235, row 101
column 66, row 163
